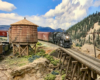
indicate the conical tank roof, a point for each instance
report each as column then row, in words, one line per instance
column 24, row 22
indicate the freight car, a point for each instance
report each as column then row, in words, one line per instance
column 60, row 38
column 3, row 33
column 4, row 47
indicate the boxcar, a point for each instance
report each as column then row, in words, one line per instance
column 46, row 36
column 40, row 35
column 43, row 36
column 3, row 33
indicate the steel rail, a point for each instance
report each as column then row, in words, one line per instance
column 98, row 60
column 90, row 65
column 85, row 58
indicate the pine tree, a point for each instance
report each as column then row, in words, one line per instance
column 99, row 21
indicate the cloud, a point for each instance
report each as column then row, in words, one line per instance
column 65, row 14
column 5, row 6
column 97, row 3
column 68, row 11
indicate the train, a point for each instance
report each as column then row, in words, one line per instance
column 4, row 47
column 62, row 39
column 3, row 33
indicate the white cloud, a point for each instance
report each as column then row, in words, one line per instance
column 68, row 11
column 65, row 14
column 97, row 3
column 5, row 6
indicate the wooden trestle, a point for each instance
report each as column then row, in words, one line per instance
column 74, row 69
column 22, row 49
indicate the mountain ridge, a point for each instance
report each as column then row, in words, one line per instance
column 40, row 28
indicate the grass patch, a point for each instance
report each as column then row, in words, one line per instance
column 53, row 51
column 63, row 76
column 50, row 77
column 50, row 58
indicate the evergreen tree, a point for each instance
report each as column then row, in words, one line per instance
column 99, row 21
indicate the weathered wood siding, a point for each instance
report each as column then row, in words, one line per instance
column 24, row 34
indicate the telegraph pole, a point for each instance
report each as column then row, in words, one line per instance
column 94, row 44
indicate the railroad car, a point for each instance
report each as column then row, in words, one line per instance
column 60, row 38
column 4, row 47
column 3, row 33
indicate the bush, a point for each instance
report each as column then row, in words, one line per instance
column 50, row 58
column 55, row 72
column 63, row 76
column 50, row 77
column 31, row 59
column 39, row 43
column 77, row 44
column 55, row 62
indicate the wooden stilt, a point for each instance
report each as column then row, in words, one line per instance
column 89, row 74
column 13, row 50
column 94, row 75
column 60, row 59
column 19, row 51
column 62, row 66
column 35, row 48
column 27, row 50
column 69, row 60
column 74, row 69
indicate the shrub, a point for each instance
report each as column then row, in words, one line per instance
column 31, row 59
column 63, row 76
column 55, row 72
column 50, row 58
column 77, row 44
column 39, row 43
column 50, row 77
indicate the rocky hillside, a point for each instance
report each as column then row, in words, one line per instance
column 82, row 31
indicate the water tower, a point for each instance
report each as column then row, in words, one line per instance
column 21, row 35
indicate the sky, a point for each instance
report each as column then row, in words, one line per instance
column 47, row 13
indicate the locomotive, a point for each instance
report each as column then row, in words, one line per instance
column 60, row 38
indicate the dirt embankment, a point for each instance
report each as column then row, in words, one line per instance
column 19, row 68
column 33, row 71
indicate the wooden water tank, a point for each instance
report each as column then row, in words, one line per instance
column 23, row 31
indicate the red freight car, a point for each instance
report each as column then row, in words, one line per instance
column 40, row 35
column 46, row 36
column 3, row 33
column 43, row 36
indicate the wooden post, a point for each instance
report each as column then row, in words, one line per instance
column 27, row 50
column 19, row 50
column 13, row 49
column 94, row 75
column 74, row 69
column 94, row 44
column 35, row 48
column 69, row 61
column 89, row 74
column 62, row 66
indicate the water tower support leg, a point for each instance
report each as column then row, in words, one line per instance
column 35, row 48
column 27, row 50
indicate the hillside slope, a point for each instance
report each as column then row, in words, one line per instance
column 81, row 32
